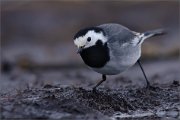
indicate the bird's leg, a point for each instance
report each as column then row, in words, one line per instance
column 103, row 79
column 147, row 82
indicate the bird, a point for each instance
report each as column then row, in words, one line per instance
column 111, row 48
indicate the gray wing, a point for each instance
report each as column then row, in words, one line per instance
column 117, row 32
column 119, row 38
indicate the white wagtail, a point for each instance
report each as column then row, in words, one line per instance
column 111, row 48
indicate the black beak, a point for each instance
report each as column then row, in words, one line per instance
column 80, row 50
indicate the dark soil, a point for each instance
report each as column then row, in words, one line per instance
column 66, row 94
column 58, row 102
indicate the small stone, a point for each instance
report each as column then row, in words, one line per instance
column 176, row 83
column 172, row 113
column 48, row 86
column 160, row 113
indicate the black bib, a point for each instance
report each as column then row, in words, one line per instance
column 96, row 56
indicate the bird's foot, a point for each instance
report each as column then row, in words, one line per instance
column 150, row 87
column 94, row 89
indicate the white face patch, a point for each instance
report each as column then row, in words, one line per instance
column 82, row 41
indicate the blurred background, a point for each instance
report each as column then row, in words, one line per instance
column 38, row 35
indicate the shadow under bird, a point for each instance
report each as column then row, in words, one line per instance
column 110, row 49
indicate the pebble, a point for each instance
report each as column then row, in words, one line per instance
column 161, row 113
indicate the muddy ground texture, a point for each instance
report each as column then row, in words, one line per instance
column 57, row 102
column 73, row 99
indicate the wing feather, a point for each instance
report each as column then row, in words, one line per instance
column 118, row 33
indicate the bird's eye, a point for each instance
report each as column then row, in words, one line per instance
column 89, row 39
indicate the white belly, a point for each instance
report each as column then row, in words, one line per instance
column 112, row 68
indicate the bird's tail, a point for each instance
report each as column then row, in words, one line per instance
column 142, row 36
column 152, row 33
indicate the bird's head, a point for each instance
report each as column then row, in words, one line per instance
column 89, row 37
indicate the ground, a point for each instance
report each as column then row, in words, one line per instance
column 67, row 93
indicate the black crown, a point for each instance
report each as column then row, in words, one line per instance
column 83, row 32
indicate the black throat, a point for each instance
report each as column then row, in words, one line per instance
column 96, row 56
